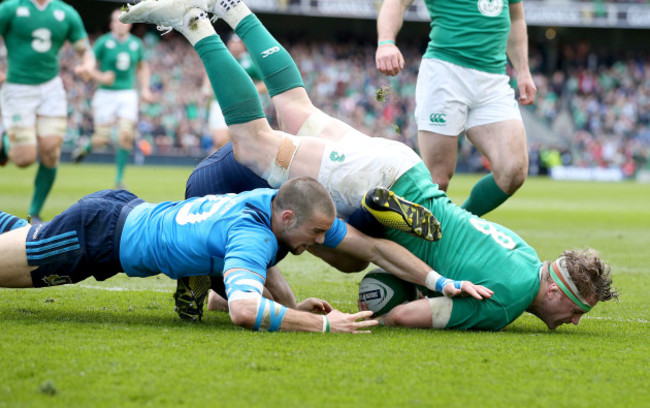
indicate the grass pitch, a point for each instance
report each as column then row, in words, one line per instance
column 119, row 344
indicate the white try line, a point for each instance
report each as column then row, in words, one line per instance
column 616, row 319
column 125, row 289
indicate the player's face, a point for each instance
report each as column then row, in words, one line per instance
column 298, row 237
column 561, row 310
column 117, row 27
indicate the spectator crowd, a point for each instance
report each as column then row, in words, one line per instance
column 597, row 106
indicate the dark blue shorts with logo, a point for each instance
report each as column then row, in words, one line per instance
column 82, row 241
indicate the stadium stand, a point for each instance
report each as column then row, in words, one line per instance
column 592, row 108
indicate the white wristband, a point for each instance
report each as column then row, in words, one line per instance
column 326, row 324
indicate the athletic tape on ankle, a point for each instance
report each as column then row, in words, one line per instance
column 278, row 172
column 560, row 275
column 314, row 124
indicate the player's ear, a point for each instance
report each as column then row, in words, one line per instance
column 552, row 290
column 288, row 217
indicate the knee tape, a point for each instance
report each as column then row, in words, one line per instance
column 22, row 136
column 440, row 311
column 102, row 135
column 126, row 130
column 314, row 124
column 51, row 126
column 278, row 172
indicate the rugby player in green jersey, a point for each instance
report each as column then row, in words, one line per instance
column 32, row 98
column 349, row 163
column 462, row 87
column 120, row 55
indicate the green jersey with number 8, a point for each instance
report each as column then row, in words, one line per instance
column 34, row 35
column 472, row 249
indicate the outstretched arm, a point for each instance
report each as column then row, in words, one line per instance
column 400, row 262
column 249, row 309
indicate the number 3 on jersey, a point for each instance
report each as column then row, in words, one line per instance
column 499, row 236
column 42, row 40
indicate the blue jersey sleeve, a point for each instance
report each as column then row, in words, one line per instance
column 335, row 234
column 250, row 246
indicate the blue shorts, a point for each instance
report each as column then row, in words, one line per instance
column 220, row 173
column 82, row 241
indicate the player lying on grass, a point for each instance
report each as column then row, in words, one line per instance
column 237, row 236
column 348, row 163
column 221, row 174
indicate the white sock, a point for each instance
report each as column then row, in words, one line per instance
column 236, row 14
column 197, row 28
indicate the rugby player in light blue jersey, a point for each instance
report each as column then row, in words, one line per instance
column 237, row 236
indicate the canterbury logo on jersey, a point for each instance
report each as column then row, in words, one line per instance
column 437, row 118
column 270, row 51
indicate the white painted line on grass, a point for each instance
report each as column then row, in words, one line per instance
column 615, row 319
column 124, row 289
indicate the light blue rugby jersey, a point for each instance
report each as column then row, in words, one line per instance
column 206, row 236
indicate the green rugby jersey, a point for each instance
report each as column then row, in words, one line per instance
column 470, row 33
column 33, row 37
column 119, row 56
column 472, row 249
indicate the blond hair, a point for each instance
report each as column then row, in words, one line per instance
column 591, row 275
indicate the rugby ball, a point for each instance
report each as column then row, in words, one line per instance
column 382, row 291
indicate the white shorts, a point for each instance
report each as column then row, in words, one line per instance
column 451, row 99
column 358, row 163
column 22, row 103
column 110, row 105
column 215, row 118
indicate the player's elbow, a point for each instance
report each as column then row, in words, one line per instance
column 348, row 264
column 242, row 314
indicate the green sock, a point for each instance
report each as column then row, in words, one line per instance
column 5, row 144
column 239, row 100
column 485, row 196
column 42, row 185
column 279, row 71
column 88, row 147
column 121, row 159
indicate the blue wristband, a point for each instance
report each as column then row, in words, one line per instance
column 442, row 282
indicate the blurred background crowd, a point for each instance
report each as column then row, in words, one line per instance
column 592, row 107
